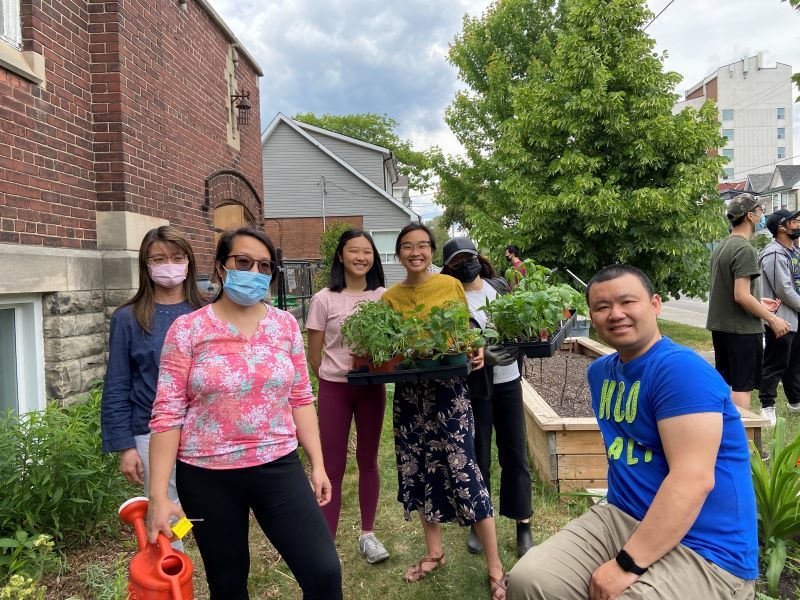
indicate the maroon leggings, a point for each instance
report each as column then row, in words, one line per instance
column 338, row 404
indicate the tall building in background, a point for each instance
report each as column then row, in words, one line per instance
column 755, row 113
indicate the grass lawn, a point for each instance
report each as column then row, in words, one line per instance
column 464, row 575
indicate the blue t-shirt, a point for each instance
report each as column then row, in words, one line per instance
column 129, row 388
column 667, row 381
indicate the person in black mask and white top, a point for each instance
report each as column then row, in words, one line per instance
column 496, row 396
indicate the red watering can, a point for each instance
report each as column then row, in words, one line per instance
column 158, row 571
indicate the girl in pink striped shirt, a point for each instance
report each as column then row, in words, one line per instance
column 233, row 400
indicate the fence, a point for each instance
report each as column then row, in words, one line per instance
column 296, row 286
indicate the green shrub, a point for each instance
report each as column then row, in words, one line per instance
column 777, row 501
column 54, row 477
column 27, row 556
column 327, row 246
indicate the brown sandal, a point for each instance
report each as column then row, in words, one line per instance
column 416, row 573
column 497, row 587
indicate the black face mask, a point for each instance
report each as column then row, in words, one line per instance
column 794, row 234
column 508, row 259
column 467, row 270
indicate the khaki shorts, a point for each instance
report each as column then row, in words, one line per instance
column 562, row 567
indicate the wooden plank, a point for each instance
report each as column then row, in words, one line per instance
column 579, row 442
column 589, row 347
column 581, row 472
column 575, row 485
column 539, row 448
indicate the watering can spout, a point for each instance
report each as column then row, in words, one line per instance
column 158, row 571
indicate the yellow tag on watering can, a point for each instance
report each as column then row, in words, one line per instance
column 182, row 527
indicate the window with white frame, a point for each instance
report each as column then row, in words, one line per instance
column 727, row 114
column 10, row 31
column 776, row 202
column 384, row 241
column 728, row 153
column 21, row 354
column 781, row 113
column 728, row 173
column 728, row 134
column 781, row 133
column 781, row 152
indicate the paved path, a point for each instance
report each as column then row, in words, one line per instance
column 687, row 311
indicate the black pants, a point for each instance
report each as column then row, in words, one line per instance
column 503, row 410
column 284, row 505
column 781, row 363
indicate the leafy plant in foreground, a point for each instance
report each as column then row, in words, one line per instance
column 374, row 330
column 777, row 500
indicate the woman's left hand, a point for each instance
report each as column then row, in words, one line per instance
column 477, row 359
column 321, row 486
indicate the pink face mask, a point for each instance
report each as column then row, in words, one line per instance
column 168, row 275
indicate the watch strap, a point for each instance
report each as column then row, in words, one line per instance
column 626, row 563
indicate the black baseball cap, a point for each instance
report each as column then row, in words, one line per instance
column 779, row 217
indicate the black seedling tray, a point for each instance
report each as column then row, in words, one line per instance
column 546, row 348
column 408, row 375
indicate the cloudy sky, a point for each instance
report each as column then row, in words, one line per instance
column 349, row 56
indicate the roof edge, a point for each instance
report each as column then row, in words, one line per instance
column 206, row 6
column 342, row 137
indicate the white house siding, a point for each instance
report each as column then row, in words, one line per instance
column 367, row 162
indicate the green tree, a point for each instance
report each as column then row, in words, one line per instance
column 440, row 236
column 572, row 150
column 379, row 130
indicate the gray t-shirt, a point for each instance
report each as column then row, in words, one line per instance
column 734, row 258
column 476, row 300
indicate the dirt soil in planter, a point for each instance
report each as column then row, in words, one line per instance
column 561, row 381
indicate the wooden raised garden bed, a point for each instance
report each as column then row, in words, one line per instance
column 568, row 452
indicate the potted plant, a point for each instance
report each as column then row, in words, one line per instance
column 375, row 332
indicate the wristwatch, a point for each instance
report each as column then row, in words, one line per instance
column 627, row 563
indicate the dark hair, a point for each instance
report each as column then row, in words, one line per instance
column 619, row 270
column 487, row 271
column 408, row 229
column 375, row 278
column 225, row 245
column 143, row 301
column 738, row 220
column 513, row 249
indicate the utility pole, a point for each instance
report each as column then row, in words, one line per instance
column 322, row 187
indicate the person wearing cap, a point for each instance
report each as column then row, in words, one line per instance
column 780, row 281
column 734, row 313
column 496, row 396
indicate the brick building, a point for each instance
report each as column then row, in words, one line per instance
column 115, row 117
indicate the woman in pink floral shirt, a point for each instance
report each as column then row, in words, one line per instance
column 233, row 400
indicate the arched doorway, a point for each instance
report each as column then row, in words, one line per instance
column 231, row 215
column 233, row 200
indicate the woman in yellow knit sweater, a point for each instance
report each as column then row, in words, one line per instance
column 437, row 471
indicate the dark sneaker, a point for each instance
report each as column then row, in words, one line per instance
column 474, row 545
column 371, row 549
column 524, row 539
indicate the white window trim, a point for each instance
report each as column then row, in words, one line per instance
column 391, row 257
column 27, row 64
column 30, row 349
column 12, row 25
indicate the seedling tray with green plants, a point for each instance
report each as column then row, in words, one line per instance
column 408, row 375
column 548, row 347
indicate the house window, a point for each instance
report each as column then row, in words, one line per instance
column 776, row 202
column 781, row 113
column 21, row 354
column 728, row 173
column 727, row 114
column 728, row 134
column 781, row 133
column 727, row 153
column 9, row 22
column 384, row 242
column 781, row 152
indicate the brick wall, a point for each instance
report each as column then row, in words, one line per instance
column 133, row 116
column 299, row 238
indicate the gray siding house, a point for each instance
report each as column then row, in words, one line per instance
column 313, row 177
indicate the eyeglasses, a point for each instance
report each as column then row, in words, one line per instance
column 163, row 259
column 409, row 246
column 461, row 259
column 243, row 262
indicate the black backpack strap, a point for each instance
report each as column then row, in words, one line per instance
column 499, row 284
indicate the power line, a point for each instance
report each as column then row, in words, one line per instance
column 653, row 20
column 769, row 164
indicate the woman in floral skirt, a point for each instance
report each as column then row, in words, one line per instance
column 438, row 473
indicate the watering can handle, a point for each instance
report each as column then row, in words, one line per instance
column 165, row 547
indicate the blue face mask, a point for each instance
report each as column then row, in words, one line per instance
column 762, row 223
column 246, row 288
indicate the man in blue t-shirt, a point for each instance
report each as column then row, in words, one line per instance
column 681, row 515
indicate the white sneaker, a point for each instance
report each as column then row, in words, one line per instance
column 795, row 408
column 768, row 413
column 371, row 549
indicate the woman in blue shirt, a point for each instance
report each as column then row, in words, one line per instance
column 167, row 290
